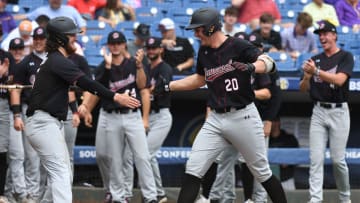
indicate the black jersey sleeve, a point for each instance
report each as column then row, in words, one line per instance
column 64, row 68
column 94, row 87
column 249, row 52
column 82, row 63
column 347, row 64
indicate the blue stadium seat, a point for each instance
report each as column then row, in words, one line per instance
column 95, row 27
column 198, row 3
column 301, row 59
column 15, row 9
column 357, row 63
column 148, row 14
column 284, row 62
column 126, row 25
column 222, row 4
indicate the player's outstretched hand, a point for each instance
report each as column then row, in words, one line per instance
column 162, row 85
column 126, row 100
column 248, row 67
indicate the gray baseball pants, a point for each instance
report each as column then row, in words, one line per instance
column 243, row 129
column 159, row 125
column 331, row 125
column 116, row 128
column 46, row 136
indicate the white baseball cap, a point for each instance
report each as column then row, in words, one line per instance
column 166, row 24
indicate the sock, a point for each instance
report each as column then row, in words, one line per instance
column 247, row 180
column 274, row 189
column 189, row 189
column 208, row 180
column 3, row 168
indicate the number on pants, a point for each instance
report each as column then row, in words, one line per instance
column 231, row 85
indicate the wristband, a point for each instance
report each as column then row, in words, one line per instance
column 16, row 108
column 73, row 106
column 317, row 72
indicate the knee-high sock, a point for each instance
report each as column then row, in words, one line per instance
column 189, row 189
column 274, row 189
column 3, row 168
column 208, row 180
column 247, row 180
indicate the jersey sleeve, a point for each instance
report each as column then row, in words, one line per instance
column 347, row 64
column 67, row 70
column 249, row 53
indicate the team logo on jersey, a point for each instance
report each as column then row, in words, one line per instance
column 31, row 63
column 32, row 79
column 213, row 73
column 114, row 86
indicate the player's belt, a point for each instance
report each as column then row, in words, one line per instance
column 121, row 111
column 329, row 105
column 228, row 109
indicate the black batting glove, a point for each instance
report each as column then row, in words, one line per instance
column 248, row 67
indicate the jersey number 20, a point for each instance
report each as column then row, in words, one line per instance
column 231, row 85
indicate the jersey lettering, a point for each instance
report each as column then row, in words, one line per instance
column 231, row 85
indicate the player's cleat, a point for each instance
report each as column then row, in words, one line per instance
column 162, row 199
column 202, row 199
column 108, row 198
column 4, row 199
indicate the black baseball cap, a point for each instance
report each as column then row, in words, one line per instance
column 39, row 32
column 256, row 39
column 241, row 35
column 142, row 31
column 153, row 42
column 116, row 37
column 325, row 26
column 17, row 43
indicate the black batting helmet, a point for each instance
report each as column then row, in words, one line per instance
column 209, row 18
column 59, row 27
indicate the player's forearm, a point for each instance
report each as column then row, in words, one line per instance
column 262, row 94
column 140, row 78
column 338, row 79
column 145, row 103
column 304, row 85
column 186, row 65
column 95, row 87
column 90, row 101
column 191, row 82
column 15, row 97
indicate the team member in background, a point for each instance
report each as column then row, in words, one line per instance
column 160, row 118
column 48, row 105
column 225, row 64
column 118, row 123
column 15, row 188
column 326, row 77
column 7, row 62
column 25, row 73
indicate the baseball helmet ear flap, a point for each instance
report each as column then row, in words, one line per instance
column 211, row 28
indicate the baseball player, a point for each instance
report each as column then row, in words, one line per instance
column 225, row 65
column 268, row 101
column 160, row 118
column 48, row 105
column 326, row 77
column 7, row 62
column 118, row 124
column 15, row 188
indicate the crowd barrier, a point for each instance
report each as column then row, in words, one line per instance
column 86, row 155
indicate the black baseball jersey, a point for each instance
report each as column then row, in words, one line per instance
column 227, row 86
column 50, row 91
column 155, row 74
column 274, row 40
column 4, row 93
column 25, row 72
column 82, row 63
column 320, row 90
column 178, row 54
column 119, row 78
column 268, row 109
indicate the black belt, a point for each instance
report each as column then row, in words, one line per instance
column 121, row 111
column 329, row 105
column 228, row 109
